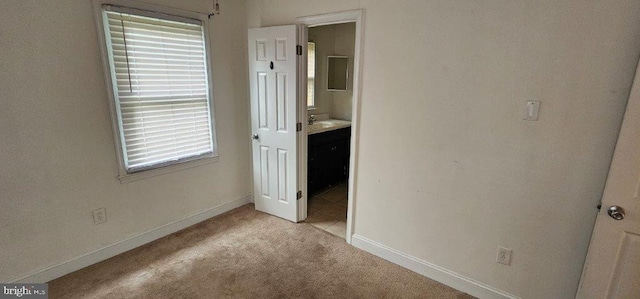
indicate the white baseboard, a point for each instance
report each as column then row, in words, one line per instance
column 429, row 270
column 112, row 250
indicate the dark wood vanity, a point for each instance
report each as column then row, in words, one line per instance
column 328, row 159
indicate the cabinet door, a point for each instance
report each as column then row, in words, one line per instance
column 312, row 181
column 344, row 159
column 336, row 161
column 314, row 173
column 325, row 168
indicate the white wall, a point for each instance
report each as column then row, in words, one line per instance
column 344, row 46
column 448, row 170
column 324, row 37
column 338, row 39
column 57, row 155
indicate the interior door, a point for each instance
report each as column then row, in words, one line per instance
column 612, row 268
column 273, row 75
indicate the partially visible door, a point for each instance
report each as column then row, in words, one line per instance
column 273, row 71
column 612, row 268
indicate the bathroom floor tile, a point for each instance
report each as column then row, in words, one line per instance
column 321, row 221
column 343, row 202
column 335, row 194
column 339, row 229
column 335, row 210
column 318, row 204
column 328, row 210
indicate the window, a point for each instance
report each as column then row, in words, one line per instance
column 160, row 81
column 311, row 74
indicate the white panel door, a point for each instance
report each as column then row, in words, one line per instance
column 273, row 70
column 612, row 268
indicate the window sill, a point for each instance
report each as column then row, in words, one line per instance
column 136, row 176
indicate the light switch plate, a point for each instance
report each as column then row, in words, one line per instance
column 531, row 112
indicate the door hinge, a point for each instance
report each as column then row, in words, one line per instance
column 299, row 195
column 299, row 50
column 298, row 127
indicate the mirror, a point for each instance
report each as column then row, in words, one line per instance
column 337, row 72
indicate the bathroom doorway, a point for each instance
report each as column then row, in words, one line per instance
column 330, row 110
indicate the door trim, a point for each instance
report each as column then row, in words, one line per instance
column 357, row 17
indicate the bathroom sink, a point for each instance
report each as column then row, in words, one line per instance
column 327, row 125
column 321, row 125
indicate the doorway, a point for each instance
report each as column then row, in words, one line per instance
column 280, row 137
column 330, row 111
column 330, row 51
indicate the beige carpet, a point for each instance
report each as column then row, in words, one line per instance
column 247, row 254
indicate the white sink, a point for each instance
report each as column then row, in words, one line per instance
column 321, row 125
column 327, row 125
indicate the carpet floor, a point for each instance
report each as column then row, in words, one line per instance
column 248, row 254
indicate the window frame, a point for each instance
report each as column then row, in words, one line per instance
column 168, row 13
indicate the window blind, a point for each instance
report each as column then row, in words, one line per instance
column 161, row 88
column 311, row 74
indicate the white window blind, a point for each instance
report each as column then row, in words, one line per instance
column 160, row 82
column 311, row 74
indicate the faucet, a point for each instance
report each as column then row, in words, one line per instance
column 312, row 119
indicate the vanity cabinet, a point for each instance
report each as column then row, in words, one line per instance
column 328, row 159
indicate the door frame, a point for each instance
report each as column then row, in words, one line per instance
column 351, row 16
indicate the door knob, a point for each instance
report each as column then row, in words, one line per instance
column 255, row 137
column 616, row 212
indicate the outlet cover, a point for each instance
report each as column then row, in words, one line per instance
column 504, row 256
column 99, row 216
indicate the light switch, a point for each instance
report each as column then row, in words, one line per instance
column 532, row 110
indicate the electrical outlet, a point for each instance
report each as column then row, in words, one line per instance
column 504, row 256
column 99, row 216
